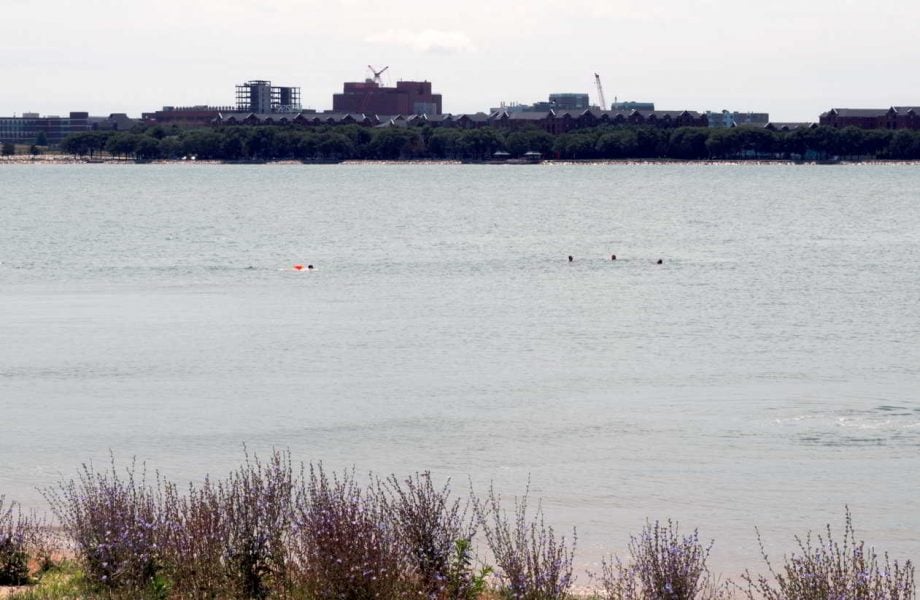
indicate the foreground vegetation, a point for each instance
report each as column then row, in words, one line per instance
column 413, row 142
column 275, row 530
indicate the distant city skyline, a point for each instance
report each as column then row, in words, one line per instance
column 791, row 59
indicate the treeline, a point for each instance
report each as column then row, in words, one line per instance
column 413, row 143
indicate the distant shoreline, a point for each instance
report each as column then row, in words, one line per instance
column 58, row 159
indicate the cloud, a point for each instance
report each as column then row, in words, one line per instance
column 633, row 10
column 428, row 40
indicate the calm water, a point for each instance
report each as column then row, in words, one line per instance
column 768, row 373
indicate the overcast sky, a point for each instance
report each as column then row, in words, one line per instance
column 791, row 58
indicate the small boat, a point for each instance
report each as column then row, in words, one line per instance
column 529, row 158
column 504, row 158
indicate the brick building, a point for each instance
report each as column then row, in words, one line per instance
column 864, row 118
column 789, row 126
column 905, row 117
column 895, row 117
column 407, row 98
column 550, row 121
column 565, row 121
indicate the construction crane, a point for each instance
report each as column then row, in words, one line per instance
column 600, row 92
column 377, row 79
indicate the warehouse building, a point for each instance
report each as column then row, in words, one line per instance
column 407, row 98
column 895, row 117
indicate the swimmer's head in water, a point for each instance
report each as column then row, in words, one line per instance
column 570, row 258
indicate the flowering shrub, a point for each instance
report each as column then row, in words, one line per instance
column 230, row 538
column 257, row 502
column 825, row 569
column 16, row 533
column 114, row 521
column 194, row 541
column 265, row 531
column 663, row 566
column 533, row 564
column 345, row 546
column 437, row 534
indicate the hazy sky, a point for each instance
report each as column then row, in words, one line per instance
column 792, row 58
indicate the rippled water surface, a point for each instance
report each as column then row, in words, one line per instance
column 768, row 373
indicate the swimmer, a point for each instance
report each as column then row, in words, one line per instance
column 660, row 261
column 309, row 267
column 613, row 257
column 570, row 258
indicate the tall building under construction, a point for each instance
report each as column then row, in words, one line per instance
column 260, row 96
column 369, row 97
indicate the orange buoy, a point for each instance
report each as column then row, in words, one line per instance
column 298, row 267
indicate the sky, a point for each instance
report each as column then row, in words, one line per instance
column 791, row 58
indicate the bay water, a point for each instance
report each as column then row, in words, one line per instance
column 766, row 374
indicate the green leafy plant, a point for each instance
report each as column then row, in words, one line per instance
column 463, row 581
column 62, row 581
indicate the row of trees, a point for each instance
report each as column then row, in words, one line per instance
column 355, row 142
